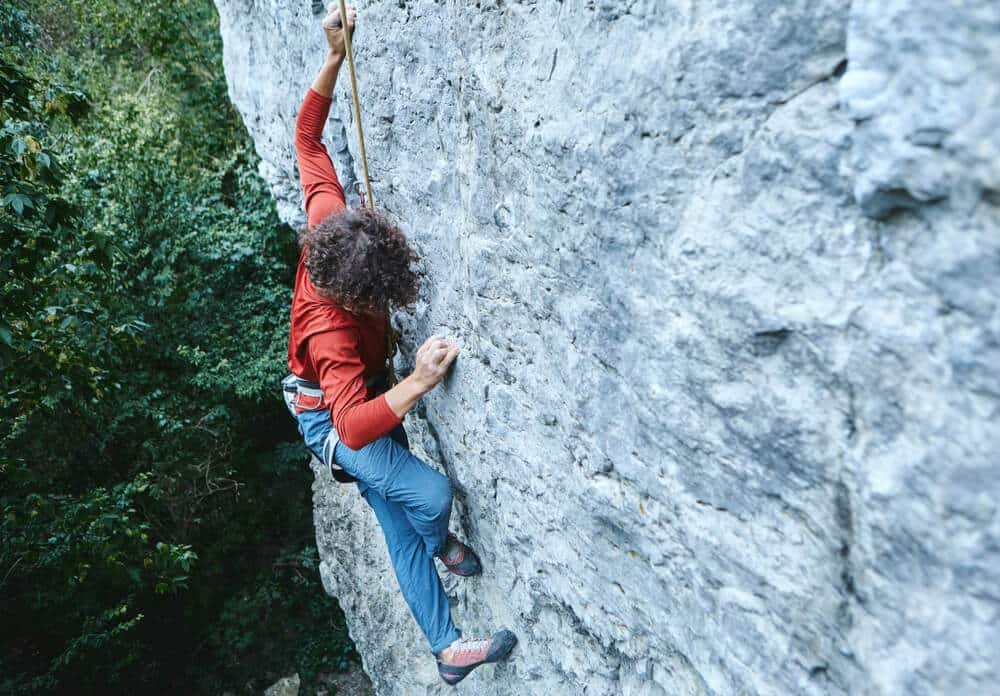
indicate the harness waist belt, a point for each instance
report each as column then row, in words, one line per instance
column 377, row 379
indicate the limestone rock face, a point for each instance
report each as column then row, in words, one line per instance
column 287, row 686
column 726, row 279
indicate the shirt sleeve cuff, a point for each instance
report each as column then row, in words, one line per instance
column 389, row 415
column 313, row 94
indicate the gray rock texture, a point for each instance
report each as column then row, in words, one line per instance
column 726, row 278
column 287, row 686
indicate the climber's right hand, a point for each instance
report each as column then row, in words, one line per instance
column 434, row 358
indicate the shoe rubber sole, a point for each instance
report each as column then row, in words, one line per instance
column 468, row 566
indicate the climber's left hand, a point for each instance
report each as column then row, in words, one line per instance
column 334, row 28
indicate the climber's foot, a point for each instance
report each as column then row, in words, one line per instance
column 465, row 654
column 459, row 558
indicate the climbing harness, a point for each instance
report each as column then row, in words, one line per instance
column 303, row 397
column 390, row 334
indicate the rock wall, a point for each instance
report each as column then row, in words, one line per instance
column 726, row 279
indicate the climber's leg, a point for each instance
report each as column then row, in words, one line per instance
column 387, row 466
column 415, row 571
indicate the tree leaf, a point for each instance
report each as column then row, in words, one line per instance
column 18, row 202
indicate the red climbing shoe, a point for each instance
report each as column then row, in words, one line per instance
column 469, row 653
column 459, row 558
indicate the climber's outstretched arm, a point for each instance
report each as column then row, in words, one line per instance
column 322, row 189
column 333, row 27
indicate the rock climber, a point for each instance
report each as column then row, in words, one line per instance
column 355, row 265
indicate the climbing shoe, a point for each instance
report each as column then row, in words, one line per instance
column 459, row 558
column 469, row 653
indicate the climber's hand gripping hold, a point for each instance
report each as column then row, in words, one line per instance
column 334, row 28
column 433, row 359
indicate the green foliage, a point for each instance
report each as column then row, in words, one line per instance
column 155, row 509
column 99, row 547
column 55, row 327
column 259, row 616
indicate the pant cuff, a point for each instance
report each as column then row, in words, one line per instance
column 450, row 638
column 442, row 547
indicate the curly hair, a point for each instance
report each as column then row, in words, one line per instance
column 360, row 259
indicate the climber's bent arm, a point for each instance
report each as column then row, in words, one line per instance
column 432, row 361
column 336, row 355
column 402, row 397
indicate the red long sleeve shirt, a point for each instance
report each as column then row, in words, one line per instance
column 327, row 343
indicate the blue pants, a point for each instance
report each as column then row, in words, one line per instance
column 412, row 503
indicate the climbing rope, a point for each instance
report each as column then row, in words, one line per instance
column 369, row 201
column 357, row 102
